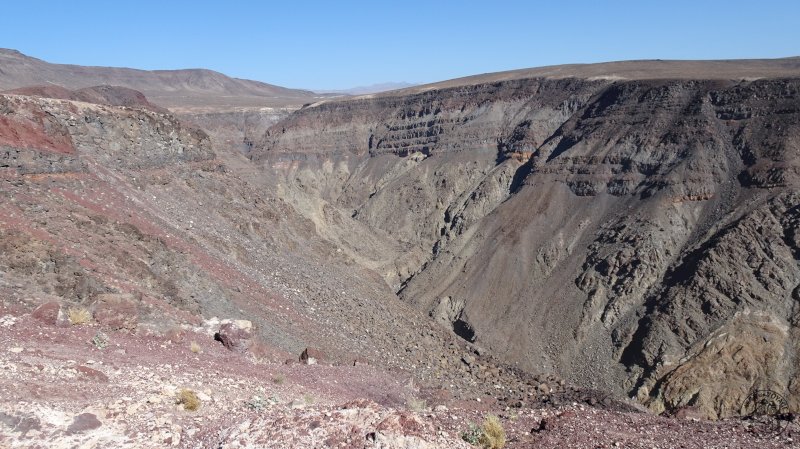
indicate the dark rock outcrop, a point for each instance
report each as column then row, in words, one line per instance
column 311, row 356
column 234, row 336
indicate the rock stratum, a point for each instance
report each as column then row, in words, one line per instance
column 386, row 270
column 627, row 232
column 136, row 261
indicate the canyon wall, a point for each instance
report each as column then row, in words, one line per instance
column 633, row 235
column 99, row 200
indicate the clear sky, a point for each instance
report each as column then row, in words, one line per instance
column 339, row 44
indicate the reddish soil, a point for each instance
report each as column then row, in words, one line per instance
column 34, row 130
column 59, row 389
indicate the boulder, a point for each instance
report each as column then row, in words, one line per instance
column 234, row 337
column 311, row 356
column 243, row 324
column 49, row 313
column 83, row 423
column 403, row 423
column 401, row 429
column 87, row 373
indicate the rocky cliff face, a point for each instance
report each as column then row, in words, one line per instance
column 100, row 200
column 634, row 235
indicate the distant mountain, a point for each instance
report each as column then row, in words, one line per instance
column 651, row 69
column 371, row 89
column 108, row 95
column 174, row 89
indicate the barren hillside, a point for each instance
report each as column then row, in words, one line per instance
column 173, row 89
column 558, row 247
column 626, row 234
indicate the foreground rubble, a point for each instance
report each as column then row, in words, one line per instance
column 61, row 389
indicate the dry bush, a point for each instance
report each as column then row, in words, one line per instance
column 278, row 379
column 492, row 434
column 78, row 316
column 189, row 399
column 417, row 405
column 195, row 347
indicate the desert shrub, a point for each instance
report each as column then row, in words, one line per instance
column 416, row 405
column 189, row 399
column 257, row 403
column 100, row 340
column 492, row 434
column 471, row 435
column 278, row 379
column 78, row 316
column 195, row 347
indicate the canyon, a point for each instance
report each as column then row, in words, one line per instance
column 632, row 235
column 619, row 235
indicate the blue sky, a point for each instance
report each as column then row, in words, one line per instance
column 341, row 44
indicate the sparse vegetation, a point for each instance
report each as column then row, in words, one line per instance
column 471, row 435
column 188, row 399
column 194, row 347
column 493, row 436
column 416, row 405
column 257, row 403
column 308, row 399
column 490, row 435
column 278, row 379
column 100, row 340
column 78, row 316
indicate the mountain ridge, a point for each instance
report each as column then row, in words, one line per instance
column 632, row 70
column 179, row 88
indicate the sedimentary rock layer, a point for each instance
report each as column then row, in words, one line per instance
column 636, row 235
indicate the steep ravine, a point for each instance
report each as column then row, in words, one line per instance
column 450, row 159
column 630, row 235
column 102, row 201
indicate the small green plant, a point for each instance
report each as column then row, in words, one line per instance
column 188, row 399
column 278, row 379
column 257, row 403
column 194, row 347
column 78, row 316
column 416, row 405
column 493, row 436
column 471, row 435
column 308, row 399
column 100, row 340
column 490, row 435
